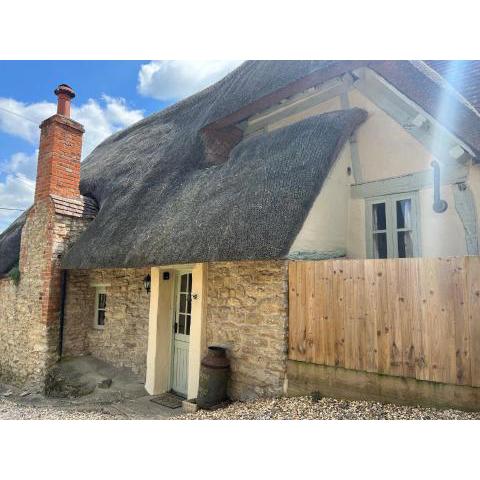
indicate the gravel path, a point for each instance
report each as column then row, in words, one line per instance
column 295, row 408
column 11, row 410
column 304, row 408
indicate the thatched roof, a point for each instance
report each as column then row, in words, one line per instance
column 464, row 75
column 161, row 203
column 251, row 207
column 10, row 244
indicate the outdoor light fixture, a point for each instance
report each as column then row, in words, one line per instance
column 439, row 205
column 147, row 282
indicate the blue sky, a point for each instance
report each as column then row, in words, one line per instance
column 110, row 96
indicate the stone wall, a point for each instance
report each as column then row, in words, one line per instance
column 247, row 310
column 123, row 340
column 29, row 312
column 11, row 334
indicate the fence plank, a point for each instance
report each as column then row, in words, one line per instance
column 473, row 286
column 351, row 345
column 415, row 318
column 338, row 309
column 324, row 324
column 407, row 304
column 383, row 323
column 293, row 319
column 371, row 315
column 441, row 336
column 395, row 328
column 301, row 311
column 462, row 331
column 314, row 347
column 360, row 313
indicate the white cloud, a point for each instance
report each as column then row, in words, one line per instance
column 18, row 187
column 19, row 122
column 20, row 163
column 100, row 118
column 17, row 173
column 175, row 79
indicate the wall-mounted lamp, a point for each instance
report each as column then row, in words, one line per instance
column 147, row 281
column 439, row 205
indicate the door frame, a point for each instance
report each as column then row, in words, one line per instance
column 160, row 327
column 176, row 299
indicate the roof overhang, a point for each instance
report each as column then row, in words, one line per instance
column 412, row 82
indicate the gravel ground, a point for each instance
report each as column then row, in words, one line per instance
column 294, row 408
column 304, row 408
column 11, row 410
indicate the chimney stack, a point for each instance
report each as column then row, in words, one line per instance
column 58, row 168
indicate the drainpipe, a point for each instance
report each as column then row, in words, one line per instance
column 63, row 290
column 439, row 205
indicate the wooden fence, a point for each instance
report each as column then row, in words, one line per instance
column 417, row 317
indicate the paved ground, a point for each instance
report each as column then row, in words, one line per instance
column 15, row 407
column 84, row 388
column 304, row 408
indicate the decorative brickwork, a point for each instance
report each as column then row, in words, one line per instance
column 123, row 340
column 247, row 310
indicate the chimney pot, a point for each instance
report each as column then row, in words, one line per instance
column 65, row 94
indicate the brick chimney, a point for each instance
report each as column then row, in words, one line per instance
column 58, row 216
column 58, row 169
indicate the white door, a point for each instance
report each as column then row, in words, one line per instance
column 181, row 332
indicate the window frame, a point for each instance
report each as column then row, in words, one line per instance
column 392, row 230
column 99, row 290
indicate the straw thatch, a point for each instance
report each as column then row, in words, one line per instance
column 160, row 201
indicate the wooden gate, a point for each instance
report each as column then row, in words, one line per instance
column 416, row 317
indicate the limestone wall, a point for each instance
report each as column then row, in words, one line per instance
column 29, row 311
column 123, row 340
column 10, row 333
column 247, row 310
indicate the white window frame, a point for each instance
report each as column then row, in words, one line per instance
column 391, row 220
column 98, row 291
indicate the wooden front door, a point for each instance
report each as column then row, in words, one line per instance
column 181, row 332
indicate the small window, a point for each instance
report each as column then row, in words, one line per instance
column 392, row 226
column 100, row 307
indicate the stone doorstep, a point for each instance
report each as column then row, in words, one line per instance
column 190, row 406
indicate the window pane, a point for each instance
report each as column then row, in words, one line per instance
column 188, row 325
column 189, row 303
column 404, row 209
column 181, row 323
column 189, row 282
column 102, row 300
column 183, row 283
column 101, row 317
column 380, row 245
column 183, row 302
column 379, row 217
column 405, row 244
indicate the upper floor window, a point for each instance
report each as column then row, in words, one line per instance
column 392, row 230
